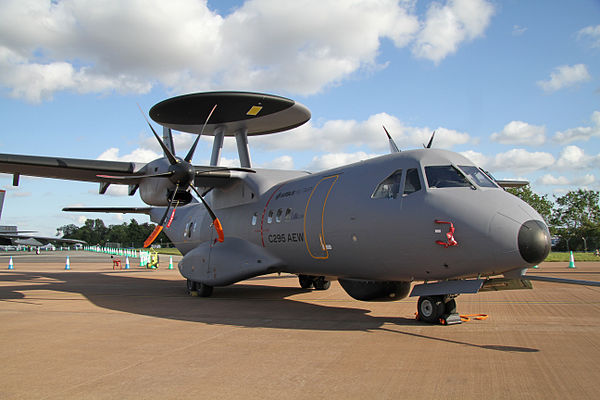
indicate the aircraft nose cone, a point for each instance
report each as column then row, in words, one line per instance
column 534, row 241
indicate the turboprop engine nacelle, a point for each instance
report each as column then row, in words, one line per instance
column 155, row 191
column 366, row 290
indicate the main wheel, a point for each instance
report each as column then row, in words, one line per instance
column 320, row 283
column 430, row 308
column 306, row 281
column 204, row 290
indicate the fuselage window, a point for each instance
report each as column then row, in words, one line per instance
column 270, row 217
column 413, row 183
column 389, row 187
column 477, row 176
column 278, row 216
column 254, row 218
column 445, row 176
column 288, row 215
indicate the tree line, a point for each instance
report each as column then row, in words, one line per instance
column 95, row 232
column 573, row 219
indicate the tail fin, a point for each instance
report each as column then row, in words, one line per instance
column 2, row 193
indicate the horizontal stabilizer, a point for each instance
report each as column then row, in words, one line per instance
column 116, row 210
column 511, row 183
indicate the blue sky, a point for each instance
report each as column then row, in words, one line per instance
column 513, row 85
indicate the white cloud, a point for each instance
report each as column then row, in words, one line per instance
column 283, row 162
column 591, row 34
column 297, row 47
column 447, row 26
column 583, row 133
column 518, row 30
column 141, row 155
column 549, row 179
column 333, row 160
column 336, row 135
column 565, row 76
column 522, row 161
column 519, row 132
column 477, row 158
column 573, row 157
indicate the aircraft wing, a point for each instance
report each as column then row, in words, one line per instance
column 115, row 210
column 69, row 168
column 41, row 239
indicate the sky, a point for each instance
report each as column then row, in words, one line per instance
column 513, row 85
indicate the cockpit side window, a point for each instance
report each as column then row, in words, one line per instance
column 389, row 187
column 445, row 176
column 477, row 176
column 412, row 184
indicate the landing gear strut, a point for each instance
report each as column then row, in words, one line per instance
column 438, row 309
column 310, row 281
column 198, row 289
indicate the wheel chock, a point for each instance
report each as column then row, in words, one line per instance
column 194, row 293
column 450, row 319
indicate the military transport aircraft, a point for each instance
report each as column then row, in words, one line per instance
column 10, row 235
column 377, row 226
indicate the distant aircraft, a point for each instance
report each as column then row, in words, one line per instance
column 377, row 226
column 10, row 235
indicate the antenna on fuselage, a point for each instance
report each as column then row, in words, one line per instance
column 430, row 141
column 393, row 147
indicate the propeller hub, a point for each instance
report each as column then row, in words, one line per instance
column 183, row 173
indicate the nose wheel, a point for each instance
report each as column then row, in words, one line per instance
column 198, row 289
column 437, row 309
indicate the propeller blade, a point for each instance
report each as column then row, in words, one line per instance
column 190, row 153
column 159, row 227
column 153, row 236
column 166, row 150
column 216, row 222
column 393, row 147
column 430, row 141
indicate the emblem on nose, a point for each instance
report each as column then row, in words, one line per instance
column 534, row 241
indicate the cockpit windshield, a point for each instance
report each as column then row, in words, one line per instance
column 445, row 176
column 477, row 176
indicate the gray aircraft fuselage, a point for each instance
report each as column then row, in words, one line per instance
column 334, row 223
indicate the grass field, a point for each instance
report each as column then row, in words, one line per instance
column 578, row 256
column 553, row 256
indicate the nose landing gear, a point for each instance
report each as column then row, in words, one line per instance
column 438, row 309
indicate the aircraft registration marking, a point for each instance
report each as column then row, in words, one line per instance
column 295, row 237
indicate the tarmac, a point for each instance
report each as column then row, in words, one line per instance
column 95, row 333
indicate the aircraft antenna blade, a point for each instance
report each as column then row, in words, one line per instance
column 166, row 150
column 160, row 225
column 393, row 147
column 430, row 141
column 216, row 222
column 190, row 153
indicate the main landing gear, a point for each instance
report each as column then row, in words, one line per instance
column 434, row 309
column 199, row 289
column 310, row 281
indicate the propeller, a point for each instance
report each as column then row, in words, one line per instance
column 393, row 147
column 430, row 141
column 181, row 172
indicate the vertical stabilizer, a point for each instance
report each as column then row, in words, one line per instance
column 2, row 193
